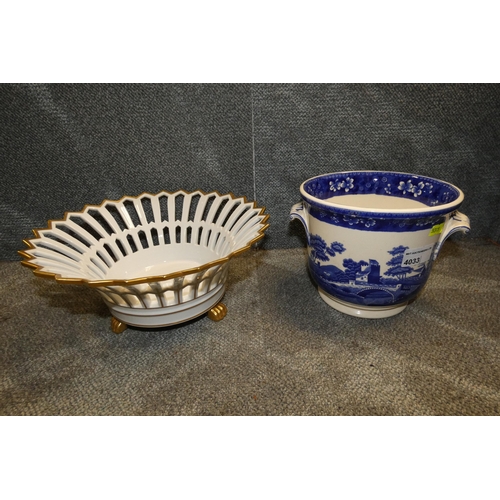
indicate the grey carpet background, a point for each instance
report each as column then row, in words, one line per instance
column 280, row 350
column 62, row 146
column 450, row 132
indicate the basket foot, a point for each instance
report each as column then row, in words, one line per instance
column 217, row 312
column 117, row 326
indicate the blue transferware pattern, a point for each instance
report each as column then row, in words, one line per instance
column 370, row 222
column 363, row 282
column 370, row 262
column 430, row 192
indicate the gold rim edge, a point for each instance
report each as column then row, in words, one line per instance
column 149, row 279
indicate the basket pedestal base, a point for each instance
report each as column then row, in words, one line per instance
column 373, row 312
column 171, row 315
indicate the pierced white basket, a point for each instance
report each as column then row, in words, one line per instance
column 157, row 260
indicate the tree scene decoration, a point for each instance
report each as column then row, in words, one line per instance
column 353, row 268
column 396, row 268
column 361, row 281
column 321, row 251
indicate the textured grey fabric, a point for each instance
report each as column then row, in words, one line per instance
column 280, row 351
column 450, row 132
column 62, row 146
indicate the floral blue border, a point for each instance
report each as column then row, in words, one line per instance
column 429, row 191
column 370, row 222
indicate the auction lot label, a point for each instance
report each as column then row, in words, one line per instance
column 417, row 256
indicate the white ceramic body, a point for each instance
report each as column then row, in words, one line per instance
column 371, row 256
column 169, row 315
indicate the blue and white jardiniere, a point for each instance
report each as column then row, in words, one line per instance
column 373, row 236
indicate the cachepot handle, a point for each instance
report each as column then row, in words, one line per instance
column 457, row 222
column 298, row 212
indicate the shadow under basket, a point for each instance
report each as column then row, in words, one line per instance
column 157, row 260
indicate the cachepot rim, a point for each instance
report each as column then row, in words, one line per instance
column 424, row 211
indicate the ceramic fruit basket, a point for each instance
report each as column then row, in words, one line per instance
column 156, row 259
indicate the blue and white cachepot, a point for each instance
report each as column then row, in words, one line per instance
column 373, row 236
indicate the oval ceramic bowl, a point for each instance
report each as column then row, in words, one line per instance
column 156, row 259
column 373, row 236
